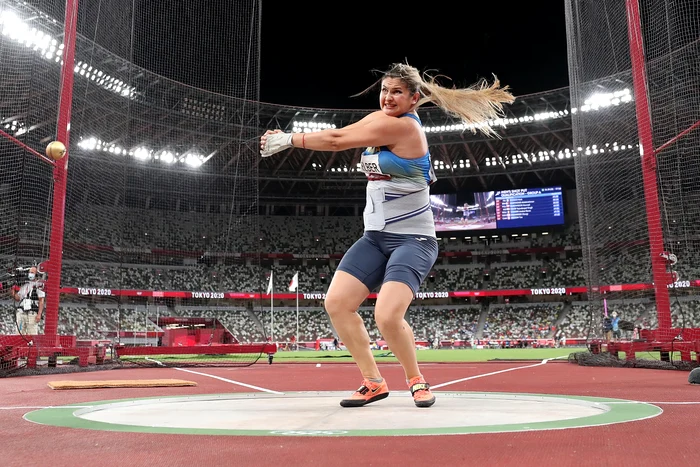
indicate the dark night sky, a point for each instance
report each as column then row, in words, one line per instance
column 318, row 54
column 320, row 57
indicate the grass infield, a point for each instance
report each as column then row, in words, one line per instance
column 382, row 356
column 429, row 355
column 342, row 356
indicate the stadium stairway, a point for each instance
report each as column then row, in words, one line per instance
column 482, row 319
column 564, row 311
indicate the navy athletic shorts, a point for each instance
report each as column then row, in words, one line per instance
column 379, row 257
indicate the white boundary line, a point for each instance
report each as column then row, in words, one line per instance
column 218, row 377
column 229, row 381
column 543, row 362
column 24, row 407
column 654, row 403
column 33, row 407
column 154, row 361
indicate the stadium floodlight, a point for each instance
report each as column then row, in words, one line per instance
column 50, row 49
column 310, row 127
column 603, row 100
column 193, row 160
column 343, row 168
column 436, row 201
column 595, row 102
column 114, row 149
column 549, row 155
column 142, row 154
column 89, row 144
column 167, row 157
column 17, row 127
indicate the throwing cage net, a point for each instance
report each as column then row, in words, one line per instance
column 638, row 177
column 146, row 233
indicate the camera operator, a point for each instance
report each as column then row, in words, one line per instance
column 30, row 303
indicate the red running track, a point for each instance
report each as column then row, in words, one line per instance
column 666, row 440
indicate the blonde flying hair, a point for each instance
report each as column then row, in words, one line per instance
column 474, row 105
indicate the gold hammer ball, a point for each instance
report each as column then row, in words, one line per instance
column 56, row 150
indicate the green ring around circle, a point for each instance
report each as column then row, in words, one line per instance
column 617, row 411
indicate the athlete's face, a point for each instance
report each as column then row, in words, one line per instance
column 395, row 99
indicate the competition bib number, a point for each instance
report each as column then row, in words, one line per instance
column 369, row 164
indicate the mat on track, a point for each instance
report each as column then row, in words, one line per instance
column 125, row 383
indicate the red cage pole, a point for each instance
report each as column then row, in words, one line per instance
column 648, row 155
column 60, row 171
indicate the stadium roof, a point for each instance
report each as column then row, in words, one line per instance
column 464, row 160
column 124, row 110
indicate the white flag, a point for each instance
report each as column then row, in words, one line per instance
column 269, row 285
column 295, row 283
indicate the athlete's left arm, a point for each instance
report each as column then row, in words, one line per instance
column 381, row 131
column 367, row 119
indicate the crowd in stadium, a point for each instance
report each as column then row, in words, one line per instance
column 526, row 321
column 317, row 238
column 154, row 251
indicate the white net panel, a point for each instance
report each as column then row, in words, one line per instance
column 637, row 179
column 162, row 190
column 29, row 77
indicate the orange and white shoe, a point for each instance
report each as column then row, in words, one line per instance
column 420, row 390
column 367, row 393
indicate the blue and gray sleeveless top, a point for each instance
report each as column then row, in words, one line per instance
column 398, row 192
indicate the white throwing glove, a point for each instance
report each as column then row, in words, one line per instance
column 275, row 143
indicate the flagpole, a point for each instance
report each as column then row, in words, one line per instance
column 294, row 287
column 272, row 310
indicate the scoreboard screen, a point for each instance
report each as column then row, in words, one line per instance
column 529, row 207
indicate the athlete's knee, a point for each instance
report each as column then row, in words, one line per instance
column 338, row 304
column 345, row 294
column 389, row 319
column 332, row 304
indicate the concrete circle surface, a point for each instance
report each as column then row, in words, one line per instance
column 319, row 414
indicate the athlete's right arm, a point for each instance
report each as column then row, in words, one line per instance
column 274, row 141
column 382, row 130
column 375, row 129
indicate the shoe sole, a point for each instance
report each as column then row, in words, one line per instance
column 427, row 403
column 361, row 402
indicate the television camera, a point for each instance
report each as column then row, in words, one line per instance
column 17, row 276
